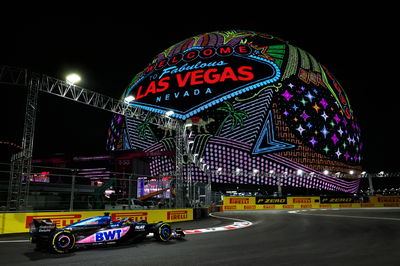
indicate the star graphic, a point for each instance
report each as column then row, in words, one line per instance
column 324, row 115
column 324, row 103
column 287, row 95
column 303, row 101
column 295, row 107
column 291, row 85
column 338, row 153
column 305, row 116
column 300, row 129
column 316, row 107
column 324, row 132
column 346, row 155
column 313, row 141
column 336, row 118
column 326, row 149
column 286, row 113
column 309, row 125
column 334, row 138
column 310, row 96
column 340, row 131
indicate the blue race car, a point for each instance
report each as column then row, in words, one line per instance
column 98, row 230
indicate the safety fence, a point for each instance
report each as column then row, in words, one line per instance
column 97, row 188
column 266, row 203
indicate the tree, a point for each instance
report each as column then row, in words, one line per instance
column 145, row 126
column 236, row 116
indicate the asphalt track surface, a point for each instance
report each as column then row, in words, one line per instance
column 312, row 237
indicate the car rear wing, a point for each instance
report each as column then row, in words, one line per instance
column 41, row 226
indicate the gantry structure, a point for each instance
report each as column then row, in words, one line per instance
column 21, row 162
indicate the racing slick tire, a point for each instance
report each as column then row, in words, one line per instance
column 62, row 242
column 162, row 232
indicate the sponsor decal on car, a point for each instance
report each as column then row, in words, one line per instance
column 106, row 235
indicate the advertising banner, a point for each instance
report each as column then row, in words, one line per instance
column 333, row 200
column 270, row 200
column 19, row 222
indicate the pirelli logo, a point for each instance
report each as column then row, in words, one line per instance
column 250, row 207
column 302, row 200
column 229, row 208
column 136, row 216
column 388, row 199
column 269, row 206
column 177, row 215
column 239, row 201
column 61, row 220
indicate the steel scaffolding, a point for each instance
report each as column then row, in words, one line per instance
column 21, row 162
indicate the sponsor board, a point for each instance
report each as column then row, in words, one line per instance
column 19, row 222
column 303, row 200
column 384, row 199
column 265, row 203
column 239, row 201
column 177, row 215
column 337, row 199
column 268, row 200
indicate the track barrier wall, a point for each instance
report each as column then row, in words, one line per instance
column 19, row 222
column 279, row 203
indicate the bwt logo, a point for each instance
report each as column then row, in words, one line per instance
column 239, row 201
column 108, row 235
column 177, row 215
column 136, row 216
column 61, row 220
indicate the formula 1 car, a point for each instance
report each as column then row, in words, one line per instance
column 98, row 230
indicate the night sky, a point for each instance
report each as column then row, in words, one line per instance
column 356, row 45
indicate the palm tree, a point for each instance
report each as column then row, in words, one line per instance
column 145, row 126
column 236, row 116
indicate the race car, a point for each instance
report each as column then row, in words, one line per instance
column 98, row 230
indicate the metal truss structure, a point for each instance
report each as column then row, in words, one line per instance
column 21, row 162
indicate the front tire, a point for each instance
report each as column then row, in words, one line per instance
column 62, row 242
column 162, row 232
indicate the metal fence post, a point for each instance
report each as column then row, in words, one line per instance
column 71, row 200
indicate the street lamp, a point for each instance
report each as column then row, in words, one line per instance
column 169, row 113
column 73, row 78
column 129, row 99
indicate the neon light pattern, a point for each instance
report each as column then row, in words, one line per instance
column 297, row 118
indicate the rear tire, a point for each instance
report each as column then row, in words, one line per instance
column 62, row 242
column 162, row 232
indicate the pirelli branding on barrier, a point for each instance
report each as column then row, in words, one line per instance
column 19, row 222
column 268, row 200
column 60, row 220
column 274, row 203
column 385, row 199
column 337, row 199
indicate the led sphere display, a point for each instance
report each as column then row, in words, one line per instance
column 257, row 109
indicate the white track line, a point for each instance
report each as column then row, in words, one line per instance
column 14, row 241
column 351, row 216
column 235, row 225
